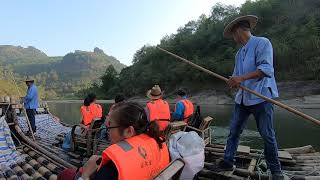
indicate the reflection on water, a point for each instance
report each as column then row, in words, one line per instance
column 291, row 130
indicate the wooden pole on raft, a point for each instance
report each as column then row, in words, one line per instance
column 24, row 109
column 305, row 116
column 43, row 151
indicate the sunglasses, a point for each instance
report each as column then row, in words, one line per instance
column 109, row 126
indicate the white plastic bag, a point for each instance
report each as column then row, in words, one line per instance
column 190, row 147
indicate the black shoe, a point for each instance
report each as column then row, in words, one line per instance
column 279, row 177
column 223, row 166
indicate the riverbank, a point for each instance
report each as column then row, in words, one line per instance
column 305, row 102
column 104, row 101
column 299, row 94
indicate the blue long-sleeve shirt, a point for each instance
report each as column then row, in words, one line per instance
column 31, row 99
column 179, row 112
column 256, row 54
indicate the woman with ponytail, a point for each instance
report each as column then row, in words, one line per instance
column 137, row 150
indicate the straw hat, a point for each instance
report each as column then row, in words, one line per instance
column 155, row 92
column 250, row 18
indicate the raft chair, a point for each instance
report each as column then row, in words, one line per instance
column 84, row 141
column 172, row 171
column 203, row 130
column 100, row 144
column 175, row 127
column 43, row 108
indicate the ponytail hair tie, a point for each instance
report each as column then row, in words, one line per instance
column 148, row 126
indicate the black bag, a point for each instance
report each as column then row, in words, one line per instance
column 196, row 119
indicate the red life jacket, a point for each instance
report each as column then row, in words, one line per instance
column 138, row 157
column 159, row 111
column 87, row 115
column 96, row 110
column 188, row 109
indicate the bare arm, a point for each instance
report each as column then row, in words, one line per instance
column 253, row 75
column 235, row 81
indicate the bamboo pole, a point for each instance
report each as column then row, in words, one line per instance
column 24, row 109
column 290, row 109
column 44, row 152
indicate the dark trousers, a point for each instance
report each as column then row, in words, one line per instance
column 32, row 119
column 263, row 114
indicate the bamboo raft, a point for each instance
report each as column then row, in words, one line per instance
column 45, row 159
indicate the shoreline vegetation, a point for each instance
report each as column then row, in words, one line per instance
column 298, row 94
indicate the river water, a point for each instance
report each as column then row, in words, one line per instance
column 291, row 130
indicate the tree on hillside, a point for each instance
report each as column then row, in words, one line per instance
column 291, row 25
column 109, row 79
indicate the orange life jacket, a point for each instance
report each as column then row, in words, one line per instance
column 96, row 110
column 188, row 109
column 87, row 115
column 159, row 111
column 138, row 157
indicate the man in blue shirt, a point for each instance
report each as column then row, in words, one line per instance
column 184, row 108
column 254, row 70
column 31, row 102
column 179, row 108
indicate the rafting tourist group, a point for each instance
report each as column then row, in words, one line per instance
column 137, row 133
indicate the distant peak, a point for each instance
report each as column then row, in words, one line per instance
column 98, row 50
column 31, row 47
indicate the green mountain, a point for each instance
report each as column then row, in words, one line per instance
column 12, row 55
column 58, row 76
column 293, row 26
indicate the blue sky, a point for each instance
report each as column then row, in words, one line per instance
column 118, row 27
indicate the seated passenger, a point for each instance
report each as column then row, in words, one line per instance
column 89, row 111
column 86, row 114
column 94, row 107
column 157, row 109
column 118, row 99
column 137, row 151
column 184, row 107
